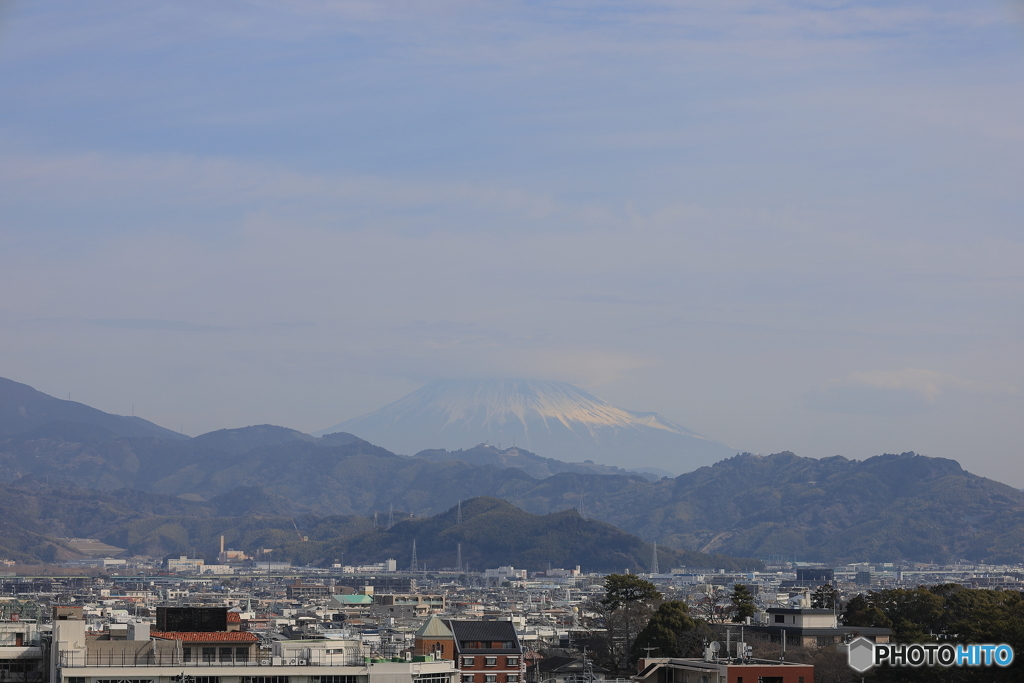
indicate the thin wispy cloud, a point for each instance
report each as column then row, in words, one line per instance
column 787, row 225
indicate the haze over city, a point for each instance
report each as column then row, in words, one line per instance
column 784, row 226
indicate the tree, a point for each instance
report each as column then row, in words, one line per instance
column 712, row 606
column 626, row 607
column 742, row 603
column 824, row 597
column 624, row 589
column 666, row 632
column 860, row 612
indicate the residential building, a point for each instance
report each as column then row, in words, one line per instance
column 224, row 657
column 812, row 627
column 21, row 654
column 711, row 670
column 487, row 651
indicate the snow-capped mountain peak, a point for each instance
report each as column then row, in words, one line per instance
column 553, row 419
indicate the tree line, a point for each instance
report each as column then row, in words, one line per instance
column 634, row 620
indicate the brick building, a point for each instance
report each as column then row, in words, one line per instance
column 487, row 651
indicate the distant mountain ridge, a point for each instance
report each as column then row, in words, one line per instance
column 886, row 508
column 536, row 466
column 493, row 532
column 23, row 408
column 554, row 418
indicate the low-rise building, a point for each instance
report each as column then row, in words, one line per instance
column 224, row 657
column 812, row 627
column 487, row 651
column 710, row 670
column 21, row 654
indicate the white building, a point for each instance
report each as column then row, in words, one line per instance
column 21, row 657
column 184, row 564
column 78, row 657
column 505, row 574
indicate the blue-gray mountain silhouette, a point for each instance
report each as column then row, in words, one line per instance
column 553, row 419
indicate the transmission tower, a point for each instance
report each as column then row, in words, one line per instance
column 414, row 554
column 391, row 515
column 654, row 559
column 458, row 557
column 458, row 515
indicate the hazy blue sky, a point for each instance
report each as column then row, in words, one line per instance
column 786, row 225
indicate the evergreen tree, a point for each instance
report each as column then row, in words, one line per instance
column 824, row 597
column 665, row 631
column 743, row 603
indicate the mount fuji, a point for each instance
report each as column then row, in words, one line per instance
column 554, row 419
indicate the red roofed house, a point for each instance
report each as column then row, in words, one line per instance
column 217, row 646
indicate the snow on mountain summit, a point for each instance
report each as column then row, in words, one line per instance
column 553, row 419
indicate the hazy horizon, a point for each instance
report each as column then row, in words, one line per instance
column 785, row 226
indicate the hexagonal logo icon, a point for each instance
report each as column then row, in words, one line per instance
column 861, row 655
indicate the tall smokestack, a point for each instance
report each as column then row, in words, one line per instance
column 222, row 544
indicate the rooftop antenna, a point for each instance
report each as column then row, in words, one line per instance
column 654, row 559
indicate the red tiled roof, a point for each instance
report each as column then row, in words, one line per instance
column 206, row 636
column 234, row 618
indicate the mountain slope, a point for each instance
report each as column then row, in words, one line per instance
column 536, row 466
column 23, row 408
column 889, row 507
column 553, row 418
column 496, row 533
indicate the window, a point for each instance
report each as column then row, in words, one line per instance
column 801, row 679
column 490, row 661
column 467, row 678
column 335, row 679
column 209, row 654
column 739, row 679
column 124, row 680
column 241, row 654
column 769, row 679
column 206, row 679
column 512, row 678
column 491, row 678
column 264, row 679
column 225, row 654
column 468, row 661
column 512, row 661
column 186, row 654
column 75, row 679
column 780, row 618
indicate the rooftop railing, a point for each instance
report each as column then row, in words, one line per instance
column 76, row 658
